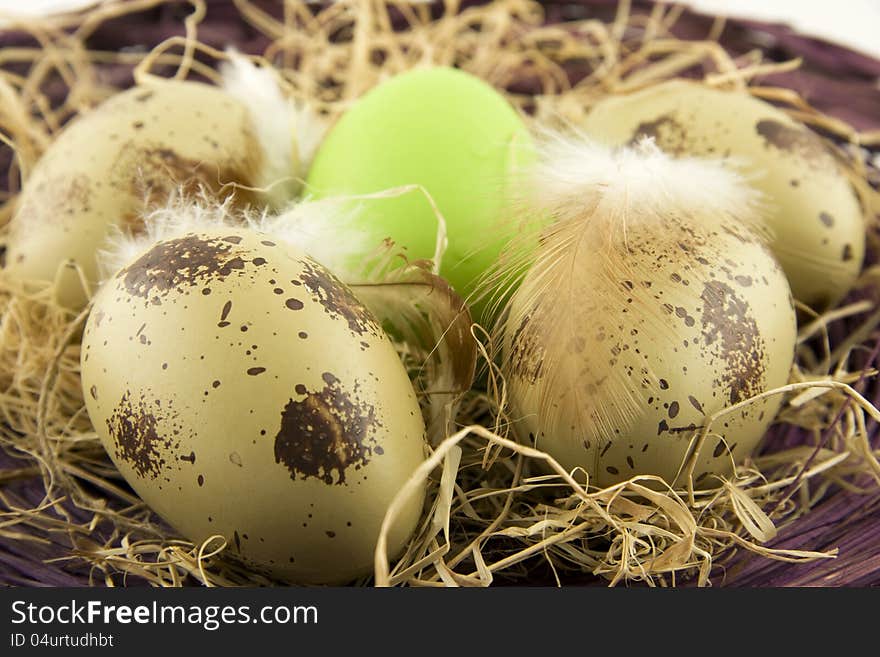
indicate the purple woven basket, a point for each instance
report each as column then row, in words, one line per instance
column 834, row 80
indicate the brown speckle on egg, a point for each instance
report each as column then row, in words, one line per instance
column 134, row 425
column 55, row 199
column 337, row 300
column 179, row 263
column 328, row 432
column 793, row 139
column 665, row 130
column 729, row 331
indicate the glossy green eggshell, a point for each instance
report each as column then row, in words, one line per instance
column 812, row 209
column 440, row 128
column 243, row 391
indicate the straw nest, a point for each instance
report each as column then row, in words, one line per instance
column 493, row 512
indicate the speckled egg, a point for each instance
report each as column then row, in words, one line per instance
column 110, row 163
column 813, row 210
column 243, row 391
column 708, row 323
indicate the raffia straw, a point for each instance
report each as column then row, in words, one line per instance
column 495, row 508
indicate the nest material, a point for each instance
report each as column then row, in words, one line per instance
column 497, row 510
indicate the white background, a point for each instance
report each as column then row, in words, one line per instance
column 855, row 23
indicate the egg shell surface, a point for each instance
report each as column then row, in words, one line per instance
column 812, row 209
column 445, row 130
column 708, row 324
column 110, row 163
column 242, row 390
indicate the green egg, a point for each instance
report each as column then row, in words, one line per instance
column 445, row 130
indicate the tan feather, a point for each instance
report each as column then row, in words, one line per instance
column 421, row 311
column 606, row 213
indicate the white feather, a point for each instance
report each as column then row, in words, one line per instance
column 310, row 129
column 178, row 216
column 272, row 115
column 639, row 180
column 325, row 230
column 289, row 133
